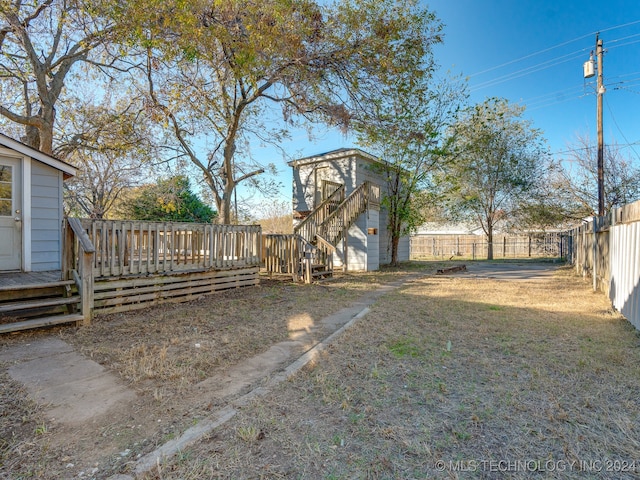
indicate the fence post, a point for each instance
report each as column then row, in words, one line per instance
column 307, row 266
column 86, row 281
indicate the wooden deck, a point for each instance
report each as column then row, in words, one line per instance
column 116, row 266
column 21, row 279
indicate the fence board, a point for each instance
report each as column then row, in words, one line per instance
column 476, row 246
column 123, row 295
column 608, row 250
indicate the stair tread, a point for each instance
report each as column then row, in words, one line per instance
column 38, row 302
column 32, row 286
column 40, row 322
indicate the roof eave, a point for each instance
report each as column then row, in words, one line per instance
column 333, row 155
column 67, row 169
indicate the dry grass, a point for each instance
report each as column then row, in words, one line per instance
column 22, row 427
column 450, row 378
column 163, row 353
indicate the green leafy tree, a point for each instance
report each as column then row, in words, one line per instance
column 499, row 164
column 169, row 200
column 408, row 132
column 218, row 71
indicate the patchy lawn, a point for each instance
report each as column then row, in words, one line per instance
column 447, row 377
column 163, row 354
column 450, row 377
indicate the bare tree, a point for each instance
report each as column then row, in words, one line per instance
column 274, row 216
column 41, row 42
column 112, row 145
column 577, row 179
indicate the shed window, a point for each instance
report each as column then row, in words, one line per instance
column 6, row 174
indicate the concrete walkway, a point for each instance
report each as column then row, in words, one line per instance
column 74, row 387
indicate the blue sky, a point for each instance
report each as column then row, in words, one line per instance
column 532, row 52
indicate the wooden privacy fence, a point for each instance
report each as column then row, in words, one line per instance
column 607, row 249
column 476, row 246
column 126, row 247
column 123, row 265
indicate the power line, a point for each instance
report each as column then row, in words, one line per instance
column 553, row 47
column 592, row 147
column 528, row 70
column 620, row 130
column 551, row 62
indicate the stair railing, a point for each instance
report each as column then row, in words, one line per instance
column 335, row 225
column 78, row 264
column 319, row 254
column 308, row 228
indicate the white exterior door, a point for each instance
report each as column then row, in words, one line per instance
column 10, row 214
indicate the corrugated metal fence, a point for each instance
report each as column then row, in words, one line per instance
column 608, row 251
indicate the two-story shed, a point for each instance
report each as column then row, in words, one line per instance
column 317, row 180
column 31, row 214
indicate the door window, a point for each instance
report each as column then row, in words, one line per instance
column 6, row 185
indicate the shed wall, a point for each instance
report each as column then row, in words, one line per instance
column 305, row 178
column 46, row 217
column 373, row 240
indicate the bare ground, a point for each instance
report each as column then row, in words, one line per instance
column 448, row 377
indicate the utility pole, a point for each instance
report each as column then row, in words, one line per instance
column 600, row 93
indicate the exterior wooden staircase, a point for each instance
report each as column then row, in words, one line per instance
column 34, row 305
column 329, row 223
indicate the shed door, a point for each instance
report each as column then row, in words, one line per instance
column 10, row 215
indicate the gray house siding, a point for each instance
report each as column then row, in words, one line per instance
column 308, row 178
column 373, row 240
column 46, row 217
column 383, row 233
column 404, row 249
column 385, row 242
column 356, row 246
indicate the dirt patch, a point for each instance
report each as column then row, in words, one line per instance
column 450, row 378
column 168, row 356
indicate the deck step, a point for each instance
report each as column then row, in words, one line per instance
column 37, row 286
column 37, row 303
column 40, row 322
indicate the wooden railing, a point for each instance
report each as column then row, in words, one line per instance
column 136, row 247
column 374, row 195
column 77, row 264
column 329, row 188
column 293, row 255
column 307, row 229
column 281, row 253
column 335, row 225
column 319, row 254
